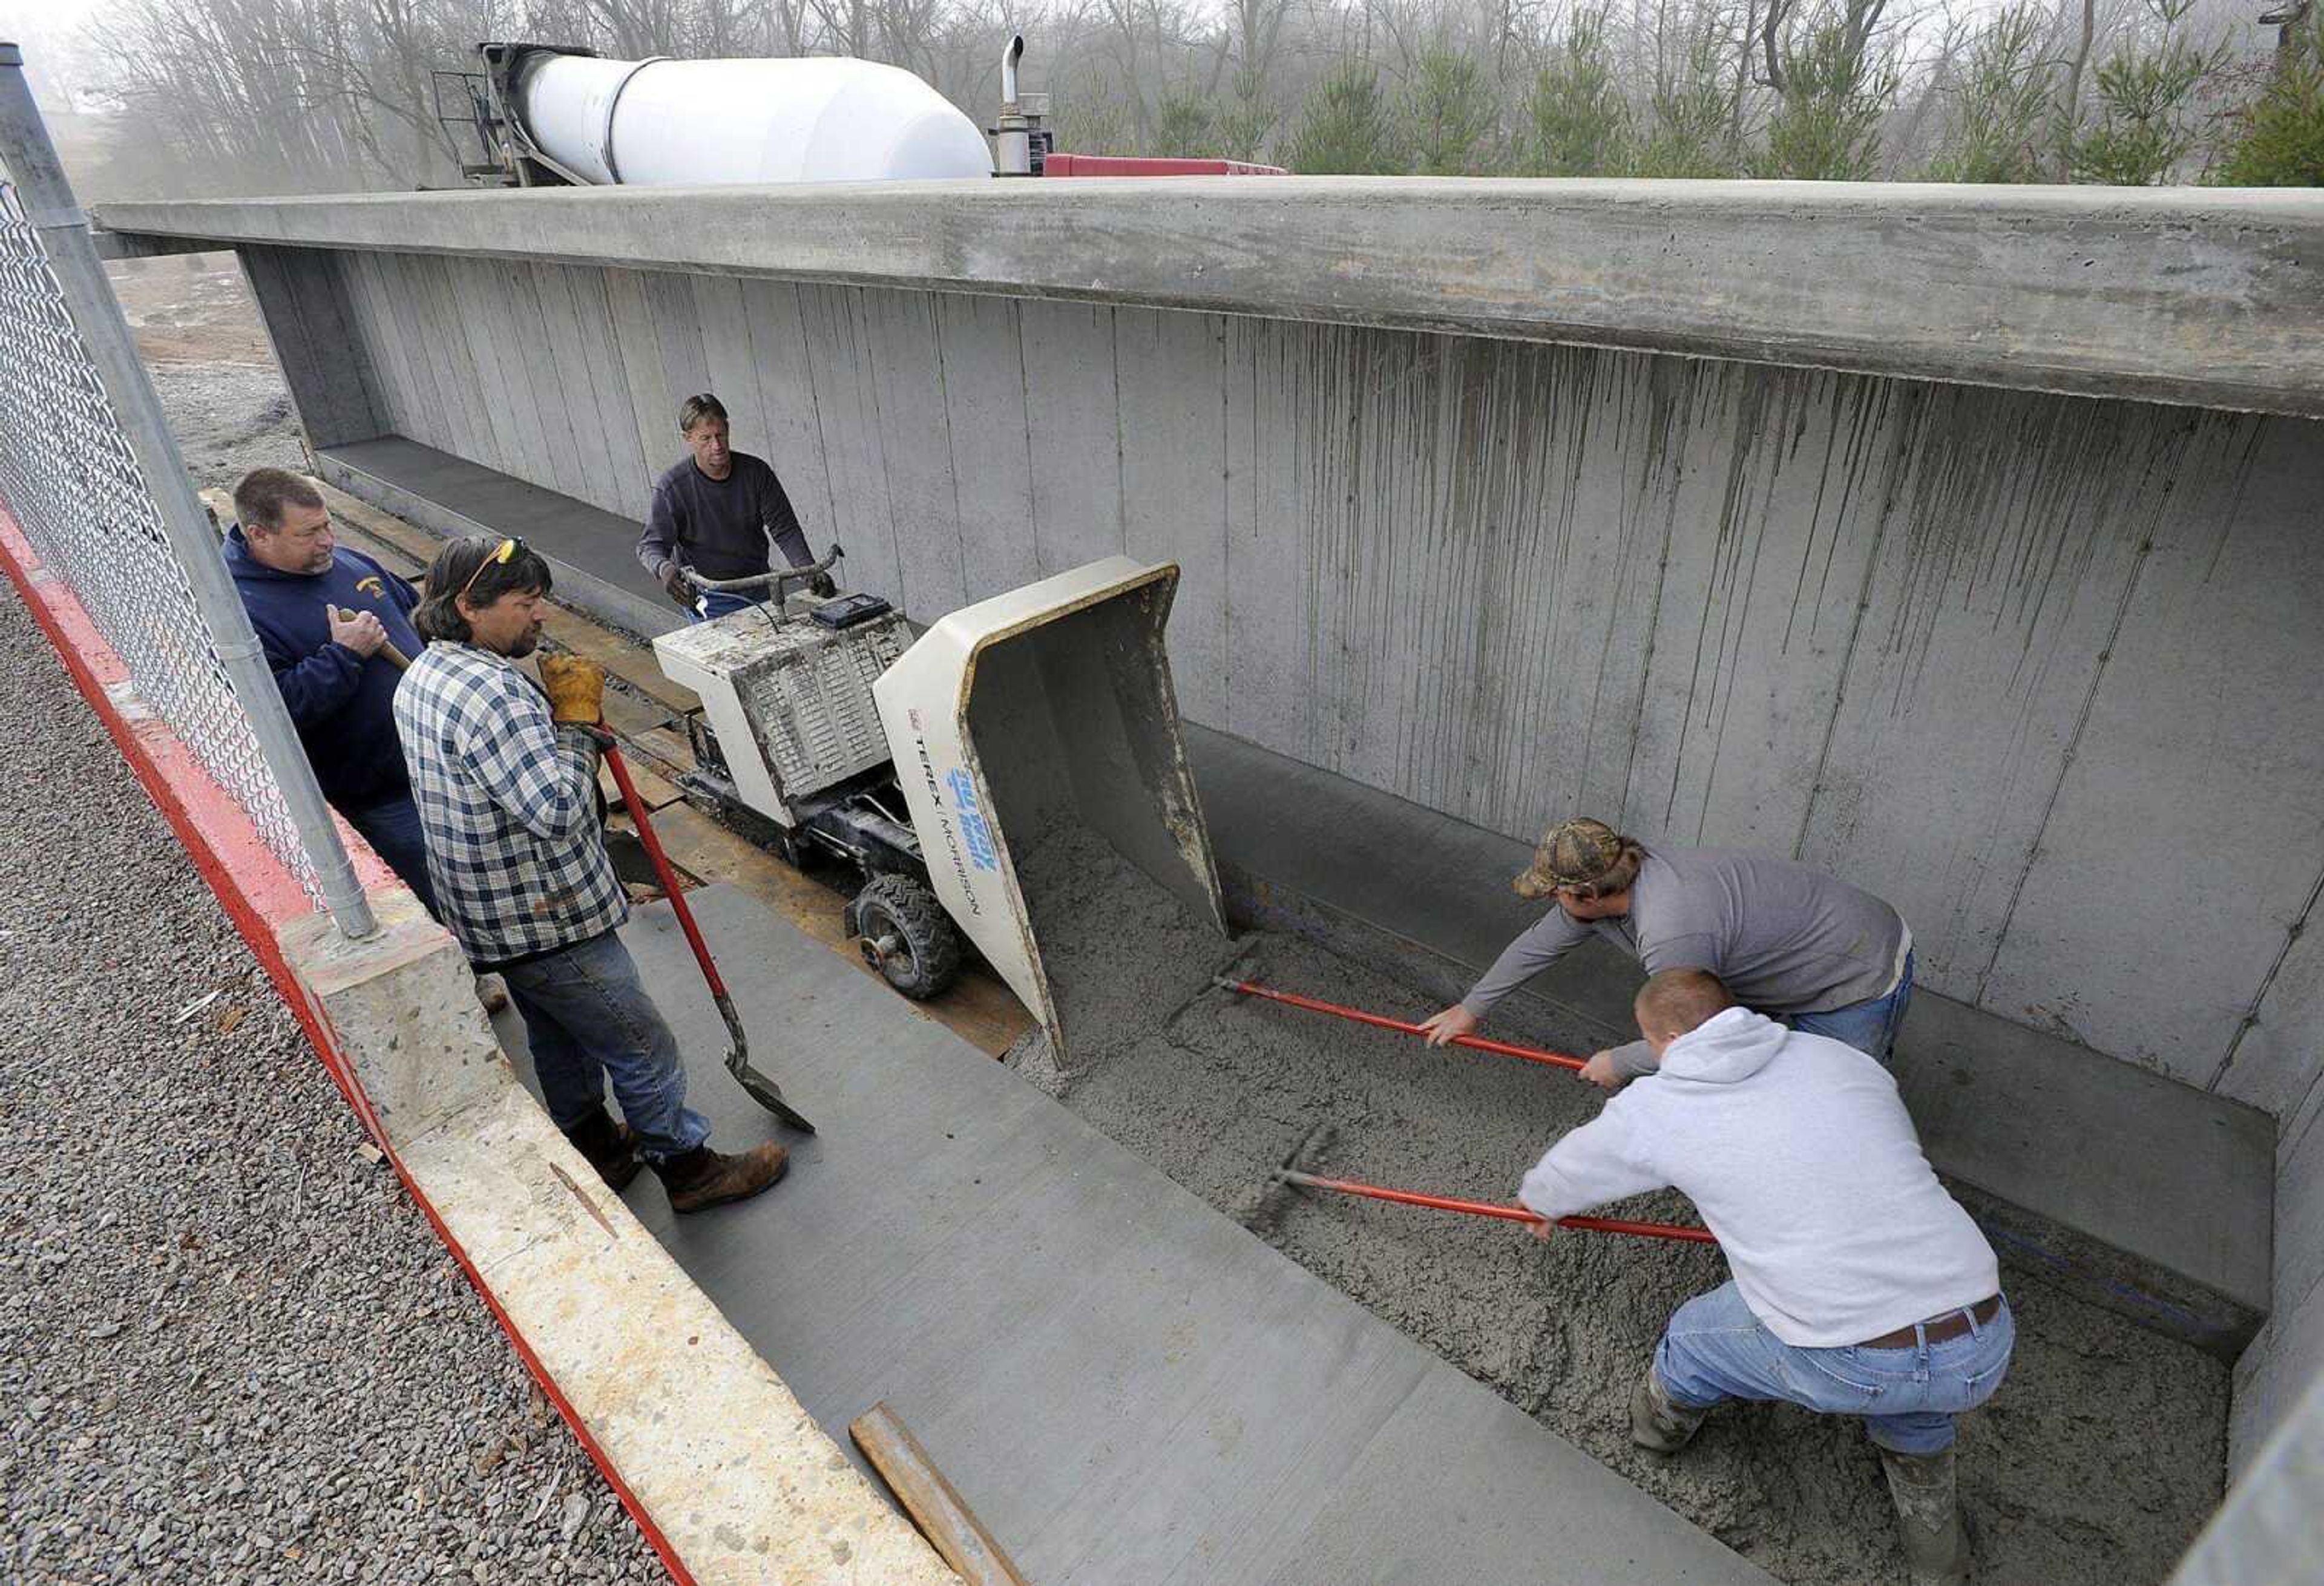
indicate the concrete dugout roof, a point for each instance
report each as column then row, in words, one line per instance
column 2210, row 296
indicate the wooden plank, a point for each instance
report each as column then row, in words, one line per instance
column 633, row 717
column 654, row 790
column 977, row 1008
column 977, row 337
column 939, row 1512
column 907, row 372
column 668, row 746
column 1069, row 394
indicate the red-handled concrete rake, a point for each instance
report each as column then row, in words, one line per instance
column 1290, row 1175
column 1317, row 1005
column 762, row 1090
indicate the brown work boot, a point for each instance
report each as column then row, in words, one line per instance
column 1928, row 1516
column 704, row 1177
column 611, row 1147
column 1658, row 1425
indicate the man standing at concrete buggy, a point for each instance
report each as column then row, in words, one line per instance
column 1790, row 941
column 1858, row 1288
column 506, row 783
column 718, row 511
column 325, row 616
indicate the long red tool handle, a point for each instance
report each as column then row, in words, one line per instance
column 662, row 870
column 1475, row 1043
column 1349, row 1186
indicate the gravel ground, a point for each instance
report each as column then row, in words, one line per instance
column 230, row 1348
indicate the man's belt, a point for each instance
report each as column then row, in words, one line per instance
column 1952, row 1325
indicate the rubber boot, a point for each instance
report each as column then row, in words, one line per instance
column 611, row 1147
column 704, row 1177
column 1657, row 1424
column 1928, row 1516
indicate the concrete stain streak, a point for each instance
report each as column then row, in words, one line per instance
column 2250, row 1022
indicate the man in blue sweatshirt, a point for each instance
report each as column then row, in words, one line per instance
column 325, row 616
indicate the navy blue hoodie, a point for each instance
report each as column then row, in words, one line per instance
column 342, row 703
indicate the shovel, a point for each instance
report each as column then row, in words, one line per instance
column 764, row 1091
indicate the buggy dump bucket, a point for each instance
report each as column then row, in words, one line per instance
column 1046, row 715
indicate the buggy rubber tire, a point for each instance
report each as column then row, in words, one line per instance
column 928, row 959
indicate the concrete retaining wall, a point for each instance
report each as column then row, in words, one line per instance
column 2035, row 668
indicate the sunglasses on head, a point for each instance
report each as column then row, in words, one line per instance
column 500, row 558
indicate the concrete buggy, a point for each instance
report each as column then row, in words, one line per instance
column 833, row 735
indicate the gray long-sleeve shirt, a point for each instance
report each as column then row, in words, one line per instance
column 1785, row 938
column 720, row 527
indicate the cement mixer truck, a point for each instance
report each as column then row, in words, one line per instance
column 551, row 116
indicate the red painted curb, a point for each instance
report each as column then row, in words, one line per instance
column 260, row 896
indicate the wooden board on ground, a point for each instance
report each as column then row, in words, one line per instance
column 978, row 1008
column 654, row 790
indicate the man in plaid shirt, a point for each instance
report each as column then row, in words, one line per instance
column 506, row 783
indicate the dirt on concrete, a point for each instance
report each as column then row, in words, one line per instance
column 2095, row 1465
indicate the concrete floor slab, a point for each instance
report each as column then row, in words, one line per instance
column 2177, row 1183
column 1125, row 1385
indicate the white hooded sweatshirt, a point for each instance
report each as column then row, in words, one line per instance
column 1798, row 1152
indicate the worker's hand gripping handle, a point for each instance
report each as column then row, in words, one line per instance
column 576, row 688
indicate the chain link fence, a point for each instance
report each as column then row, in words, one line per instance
column 68, row 478
column 71, row 477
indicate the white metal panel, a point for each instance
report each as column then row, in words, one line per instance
column 924, row 705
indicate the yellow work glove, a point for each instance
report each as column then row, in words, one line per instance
column 577, row 689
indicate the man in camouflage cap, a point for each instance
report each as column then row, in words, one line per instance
column 1790, row 941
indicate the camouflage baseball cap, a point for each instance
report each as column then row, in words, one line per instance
column 1570, row 854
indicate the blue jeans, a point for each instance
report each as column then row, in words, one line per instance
column 1869, row 1027
column 712, row 604
column 392, row 829
column 1715, row 1349
column 588, row 1019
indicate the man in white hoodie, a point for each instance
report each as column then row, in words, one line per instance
column 1860, row 1287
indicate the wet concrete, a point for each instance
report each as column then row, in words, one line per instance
column 2097, row 1461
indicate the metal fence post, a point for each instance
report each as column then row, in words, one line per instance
column 31, row 160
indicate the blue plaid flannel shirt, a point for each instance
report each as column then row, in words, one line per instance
column 508, row 805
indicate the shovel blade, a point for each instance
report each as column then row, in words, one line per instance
column 766, row 1092
column 762, row 1090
